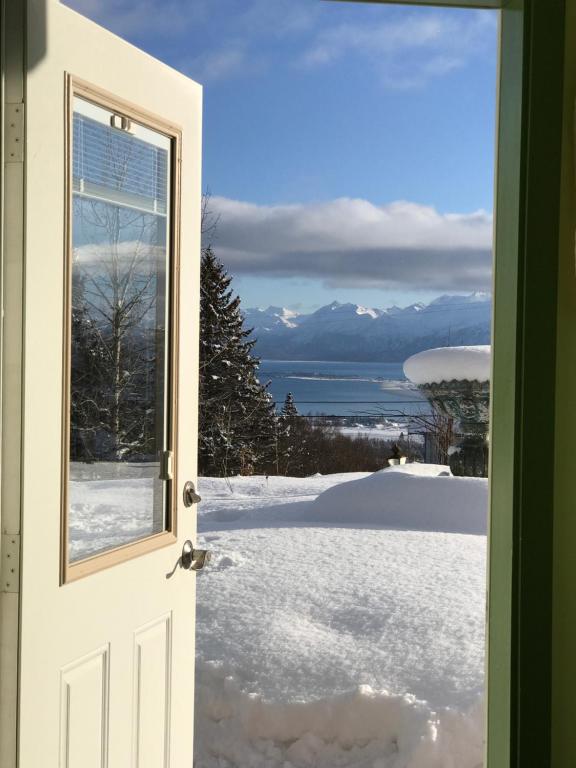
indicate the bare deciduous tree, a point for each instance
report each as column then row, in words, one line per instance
column 118, row 300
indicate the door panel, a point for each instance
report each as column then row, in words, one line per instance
column 84, row 712
column 107, row 660
column 152, row 676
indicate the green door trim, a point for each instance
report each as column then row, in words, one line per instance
column 527, row 232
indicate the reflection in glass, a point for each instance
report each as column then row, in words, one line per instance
column 119, row 332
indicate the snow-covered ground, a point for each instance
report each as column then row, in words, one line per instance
column 388, row 430
column 111, row 504
column 341, row 621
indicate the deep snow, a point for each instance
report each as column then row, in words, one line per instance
column 111, row 504
column 334, row 631
column 390, row 431
column 448, row 363
column 404, row 500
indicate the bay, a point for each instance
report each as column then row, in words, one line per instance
column 343, row 389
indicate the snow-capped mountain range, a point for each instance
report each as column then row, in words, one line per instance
column 355, row 333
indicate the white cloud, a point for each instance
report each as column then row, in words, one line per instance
column 218, row 64
column 232, row 31
column 384, row 38
column 406, row 51
column 277, row 18
column 133, row 255
column 166, row 19
column 407, row 48
column 352, row 242
column 245, row 33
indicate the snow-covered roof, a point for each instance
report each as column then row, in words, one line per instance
column 448, row 363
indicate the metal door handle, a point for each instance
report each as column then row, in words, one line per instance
column 194, row 559
column 190, row 495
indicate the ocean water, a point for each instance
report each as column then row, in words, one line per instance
column 343, row 389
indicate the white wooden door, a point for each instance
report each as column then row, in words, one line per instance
column 112, row 226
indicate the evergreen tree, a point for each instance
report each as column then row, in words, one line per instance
column 289, row 410
column 293, row 439
column 238, row 425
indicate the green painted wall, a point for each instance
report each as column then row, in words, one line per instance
column 564, row 623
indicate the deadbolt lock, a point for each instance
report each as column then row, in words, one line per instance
column 190, row 495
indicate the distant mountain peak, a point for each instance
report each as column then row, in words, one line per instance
column 348, row 308
column 347, row 331
column 275, row 311
column 374, row 313
column 470, row 298
column 476, row 297
column 271, row 317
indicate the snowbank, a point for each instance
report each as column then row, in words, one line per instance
column 361, row 729
column 109, row 511
column 269, row 500
column 449, row 363
column 402, row 499
column 422, row 470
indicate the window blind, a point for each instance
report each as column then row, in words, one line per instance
column 117, row 167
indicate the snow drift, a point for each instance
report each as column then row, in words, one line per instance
column 400, row 499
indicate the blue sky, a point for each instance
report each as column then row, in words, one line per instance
column 348, row 146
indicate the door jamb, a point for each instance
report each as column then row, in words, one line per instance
column 527, row 246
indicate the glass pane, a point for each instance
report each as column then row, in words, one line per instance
column 119, row 379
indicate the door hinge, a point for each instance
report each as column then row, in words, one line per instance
column 10, row 571
column 166, row 465
column 14, row 132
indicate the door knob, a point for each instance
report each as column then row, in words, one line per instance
column 194, row 559
column 190, row 495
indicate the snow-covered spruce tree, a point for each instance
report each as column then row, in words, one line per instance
column 293, row 439
column 287, row 428
column 289, row 410
column 238, row 425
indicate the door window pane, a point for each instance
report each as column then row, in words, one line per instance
column 119, row 397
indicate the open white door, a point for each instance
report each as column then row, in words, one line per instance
column 112, row 228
